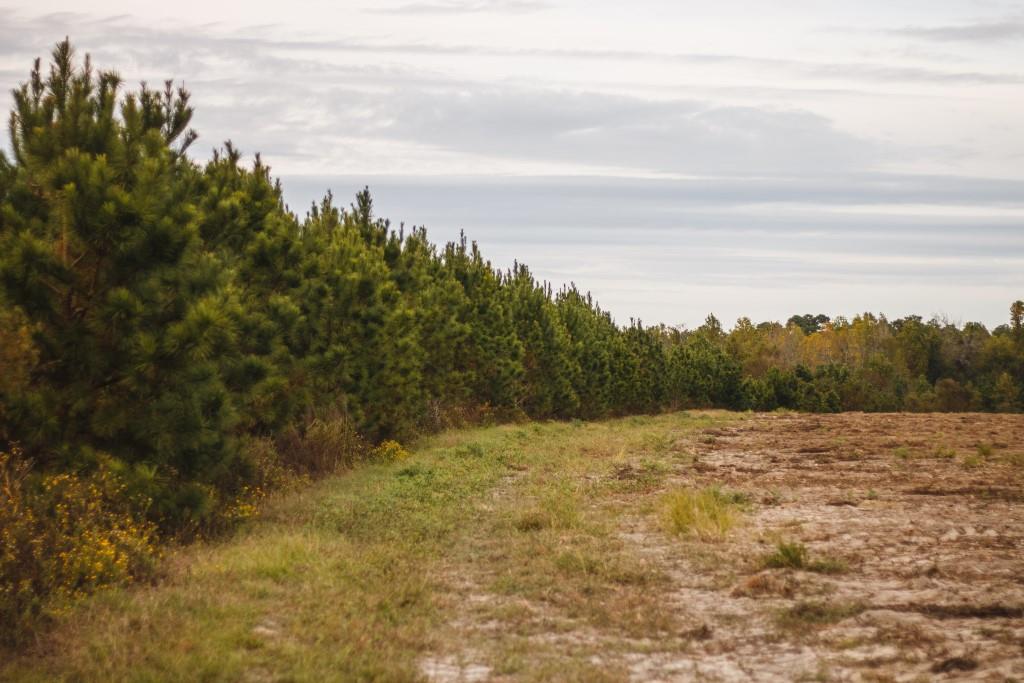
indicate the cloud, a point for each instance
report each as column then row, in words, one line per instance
column 182, row 47
column 344, row 109
column 675, row 136
column 467, row 7
column 984, row 32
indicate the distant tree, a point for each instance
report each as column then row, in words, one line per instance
column 808, row 322
column 1017, row 318
column 1006, row 394
column 951, row 396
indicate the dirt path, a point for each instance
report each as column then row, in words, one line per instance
column 913, row 527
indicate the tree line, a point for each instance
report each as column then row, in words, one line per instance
column 173, row 322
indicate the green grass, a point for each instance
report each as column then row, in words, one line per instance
column 331, row 579
column 707, row 514
column 794, row 555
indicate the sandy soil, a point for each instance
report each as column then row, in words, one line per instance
column 921, row 516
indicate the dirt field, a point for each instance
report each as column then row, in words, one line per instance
column 920, row 519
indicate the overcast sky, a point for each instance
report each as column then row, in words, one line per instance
column 675, row 158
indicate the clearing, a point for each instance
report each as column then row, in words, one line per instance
column 839, row 547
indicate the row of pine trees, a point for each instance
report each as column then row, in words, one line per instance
column 156, row 314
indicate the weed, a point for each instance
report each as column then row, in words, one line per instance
column 787, row 556
column 532, row 520
column 414, row 470
column 63, row 536
column 707, row 514
column 902, row 453
column 946, row 452
column 1015, row 459
column 557, row 508
column 985, row 450
column 810, row 614
column 972, row 461
column 470, row 450
column 630, row 478
column 796, row 556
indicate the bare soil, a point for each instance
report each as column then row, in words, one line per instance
column 920, row 519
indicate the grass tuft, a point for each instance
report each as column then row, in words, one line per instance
column 796, row 556
column 707, row 514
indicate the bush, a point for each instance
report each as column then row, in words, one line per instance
column 389, row 451
column 326, row 445
column 62, row 536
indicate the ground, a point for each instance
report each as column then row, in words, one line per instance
column 859, row 547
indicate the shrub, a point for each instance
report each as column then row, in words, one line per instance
column 62, row 536
column 389, row 451
column 324, row 446
column 706, row 514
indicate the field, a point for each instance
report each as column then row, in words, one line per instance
column 689, row 546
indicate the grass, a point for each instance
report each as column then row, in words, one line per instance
column 902, row 453
column 972, row 461
column 808, row 614
column 353, row 575
column 328, row 580
column 794, row 555
column 708, row 514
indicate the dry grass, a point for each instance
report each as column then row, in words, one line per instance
column 707, row 514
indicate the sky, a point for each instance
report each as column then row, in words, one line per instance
column 674, row 158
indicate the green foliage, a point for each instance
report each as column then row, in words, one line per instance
column 794, row 555
column 101, row 253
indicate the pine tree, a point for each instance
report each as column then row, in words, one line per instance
column 100, row 250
